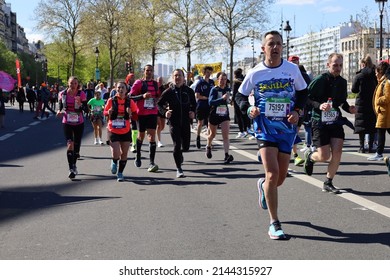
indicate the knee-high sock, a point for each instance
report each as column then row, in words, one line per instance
column 122, row 165
column 152, row 151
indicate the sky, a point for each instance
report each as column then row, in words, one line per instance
column 304, row 16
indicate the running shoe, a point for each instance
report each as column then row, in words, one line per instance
column 198, row 142
column 100, row 142
column 376, row 157
column 72, row 174
column 262, row 201
column 114, row 167
column 137, row 162
column 309, row 164
column 96, row 142
column 298, row 161
column 387, row 162
column 120, row 177
column 275, row 231
column 328, row 187
column 160, row 145
column 228, row 159
column 304, row 149
column 179, row 173
column 153, row 167
column 75, row 170
column 208, row 152
column 241, row 135
column 133, row 149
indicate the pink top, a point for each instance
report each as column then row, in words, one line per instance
column 146, row 106
column 72, row 106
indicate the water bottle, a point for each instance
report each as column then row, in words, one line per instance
column 330, row 102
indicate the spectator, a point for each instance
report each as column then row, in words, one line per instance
column 364, row 85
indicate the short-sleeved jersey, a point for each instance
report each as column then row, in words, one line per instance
column 274, row 93
column 203, row 88
column 97, row 106
column 146, row 106
column 72, row 105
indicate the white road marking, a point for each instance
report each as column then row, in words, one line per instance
column 6, row 136
column 21, row 129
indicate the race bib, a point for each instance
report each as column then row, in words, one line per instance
column 119, row 123
column 72, row 117
column 222, row 110
column 97, row 110
column 149, row 103
column 277, row 108
column 329, row 117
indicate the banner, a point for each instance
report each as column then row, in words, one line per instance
column 197, row 70
column 18, row 73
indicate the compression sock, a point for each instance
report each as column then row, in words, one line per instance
column 152, row 151
column 122, row 165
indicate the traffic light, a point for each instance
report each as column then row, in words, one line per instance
column 128, row 66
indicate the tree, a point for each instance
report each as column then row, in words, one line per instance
column 234, row 20
column 105, row 26
column 62, row 18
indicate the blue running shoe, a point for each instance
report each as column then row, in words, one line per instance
column 120, row 177
column 275, row 231
column 114, row 167
column 262, row 201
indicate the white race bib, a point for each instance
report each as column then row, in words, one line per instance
column 149, row 103
column 329, row 117
column 277, row 107
column 222, row 110
column 72, row 117
column 118, row 123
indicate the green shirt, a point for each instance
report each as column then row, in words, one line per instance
column 96, row 105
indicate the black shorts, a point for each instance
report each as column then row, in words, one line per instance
column 215, row 119
column 146, row 122
column 120, row 137
column 321, row 134
column 202, row 113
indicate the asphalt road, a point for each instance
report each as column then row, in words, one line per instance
column 212, row 213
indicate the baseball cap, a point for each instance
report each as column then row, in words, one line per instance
column 293, row 58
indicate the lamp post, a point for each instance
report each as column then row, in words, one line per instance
column 36, row 58
column 253, row 48
column 44, row 70
column 381, row 5
column 287, row 28
column 97, row 71
column 187, row 47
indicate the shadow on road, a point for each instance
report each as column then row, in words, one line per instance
column 335, row 235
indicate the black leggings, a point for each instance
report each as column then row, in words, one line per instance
column 181, row 138
column 73, row 133
column 241, row 119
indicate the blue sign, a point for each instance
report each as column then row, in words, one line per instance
column 97, row 74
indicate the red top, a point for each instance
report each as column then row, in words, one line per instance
column 119, row 125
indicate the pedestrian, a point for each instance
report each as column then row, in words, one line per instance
column 118, row 110
column 327, row 92
column 96, row 107
column 202, row 92
column 3, row 100
column 72, row 103
column 381, row 104
column 21, row 98
column 31, row 98
column 145, row 93
column 39, row 103
column 219, row 99
column 178, row 105
column 241, row 119
column 45, row 95
column 280, row 94
column 364, row 85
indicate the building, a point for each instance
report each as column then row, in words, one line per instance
column 163, row 70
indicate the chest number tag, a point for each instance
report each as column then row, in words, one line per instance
column 277, row 108
column 329, row 117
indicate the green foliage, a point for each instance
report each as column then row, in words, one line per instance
column 7, row 60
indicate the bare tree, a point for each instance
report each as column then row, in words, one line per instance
column 235, row 19
column 62, row 18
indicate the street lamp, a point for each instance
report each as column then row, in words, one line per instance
column 381, row 5
column 44, row 69
column 187, row 48
column 97, row 71
column 253, row 48
column 287, row 28
column 36, row 58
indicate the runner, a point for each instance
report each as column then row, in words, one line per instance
column 219, row 116
column 72, row 103
column 96, row 107
column 118, row 110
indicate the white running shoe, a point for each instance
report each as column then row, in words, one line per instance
column 375, row 157
column 304, row 149
column 96, row 142
column 241, row 135
column 159, row 144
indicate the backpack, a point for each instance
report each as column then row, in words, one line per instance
column 64, row 103
column 144, row 87
column 114, row 113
